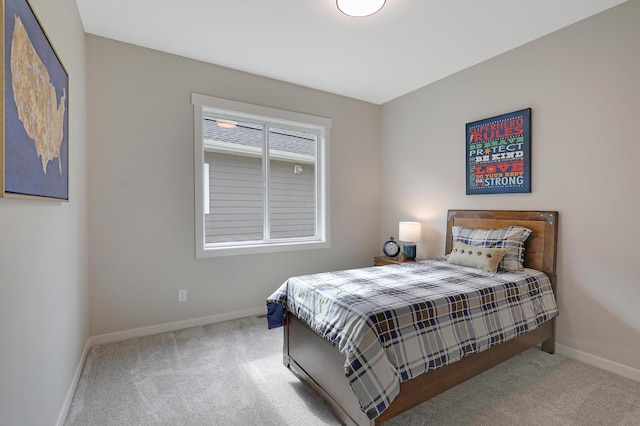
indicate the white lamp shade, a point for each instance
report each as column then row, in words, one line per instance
column 360, row 7
column 410, row 231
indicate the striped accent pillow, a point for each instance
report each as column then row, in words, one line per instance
column 510, row 238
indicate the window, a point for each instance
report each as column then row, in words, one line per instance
column 261, row 178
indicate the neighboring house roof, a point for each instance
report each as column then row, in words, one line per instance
column 250, row 134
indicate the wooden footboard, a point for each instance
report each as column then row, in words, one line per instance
column 322, row 366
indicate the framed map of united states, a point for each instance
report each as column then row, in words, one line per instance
column 35, row 124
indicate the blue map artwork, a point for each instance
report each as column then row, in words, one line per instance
column 36, row 140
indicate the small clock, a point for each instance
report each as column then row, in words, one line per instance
column 391, row 248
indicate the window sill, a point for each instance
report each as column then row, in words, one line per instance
column 260, row 249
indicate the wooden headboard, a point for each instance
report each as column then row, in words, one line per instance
column 540, row 247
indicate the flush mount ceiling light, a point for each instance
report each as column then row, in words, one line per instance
column 227, row 124
column 359, row 7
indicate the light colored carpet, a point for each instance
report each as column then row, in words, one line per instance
column 231, row 373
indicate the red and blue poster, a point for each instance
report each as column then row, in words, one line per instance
column 499, row 154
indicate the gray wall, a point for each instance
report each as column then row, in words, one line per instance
column 43, row 261
column 236, row 214
column 582, row 85
column 293, row 200
column 141, row 122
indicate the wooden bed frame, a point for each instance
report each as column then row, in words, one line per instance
column 322, row 366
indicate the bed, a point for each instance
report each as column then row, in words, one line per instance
column 321, row 362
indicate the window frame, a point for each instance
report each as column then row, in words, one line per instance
column 234, row 110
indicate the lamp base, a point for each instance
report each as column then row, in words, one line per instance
column 410, row 249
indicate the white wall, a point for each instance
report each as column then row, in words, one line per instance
column 582, row 84
column 43, row 261
column 141, row 182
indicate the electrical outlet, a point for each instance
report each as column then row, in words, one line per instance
column 182, row 295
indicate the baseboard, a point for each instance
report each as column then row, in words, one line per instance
column 605, row 364
column 72, row 388
column 172, row 326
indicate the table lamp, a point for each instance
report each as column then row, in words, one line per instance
column 410, row 234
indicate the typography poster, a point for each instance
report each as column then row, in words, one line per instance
column 499, row 154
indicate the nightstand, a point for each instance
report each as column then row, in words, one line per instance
column 384, row 260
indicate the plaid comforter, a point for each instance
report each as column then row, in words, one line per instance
column 395, row 322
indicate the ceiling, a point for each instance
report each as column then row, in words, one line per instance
column 407, row 45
